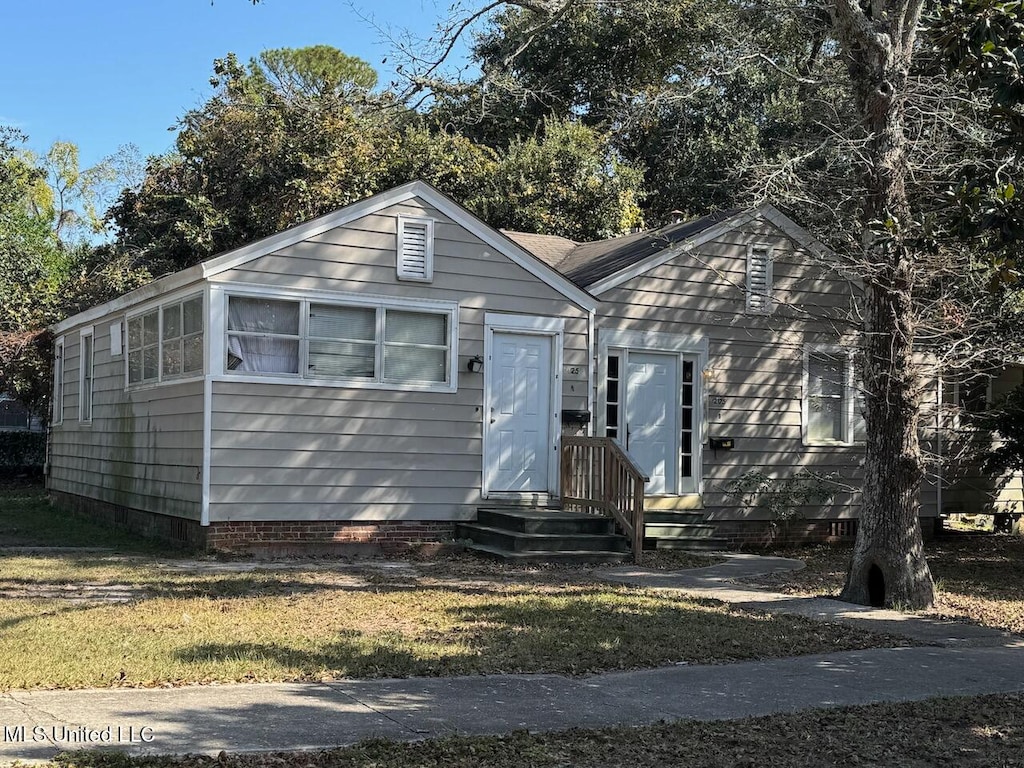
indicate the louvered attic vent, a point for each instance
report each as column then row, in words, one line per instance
column 759, row 280
column 415, row 249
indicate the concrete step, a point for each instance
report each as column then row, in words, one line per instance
column 678, row 531
column 569, row 557
column 693, row 544
column 544, row 521
column 519, row 541
column 670, row 516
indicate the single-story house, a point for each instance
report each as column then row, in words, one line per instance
column 380, row 373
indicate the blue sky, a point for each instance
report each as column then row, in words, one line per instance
column 102, row 73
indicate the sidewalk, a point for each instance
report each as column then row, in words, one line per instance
column 960, row 660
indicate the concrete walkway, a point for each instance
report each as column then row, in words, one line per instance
column 959, row 660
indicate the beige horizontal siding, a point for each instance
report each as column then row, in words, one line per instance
column 307, row 452
column 755, row 362
column 143, row 449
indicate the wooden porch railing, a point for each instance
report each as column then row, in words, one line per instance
column 600, row 477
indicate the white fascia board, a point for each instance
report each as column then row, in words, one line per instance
column 511, row 250
column 663, row 257
column 268, row 245
column 428, row 194
column 767, row 211
column 793, row 231
column 157, row 288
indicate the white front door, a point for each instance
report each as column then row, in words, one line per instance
column 517, row 448
column 651, row 418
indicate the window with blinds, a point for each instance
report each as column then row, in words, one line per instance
column 833, row 403
column 415, row 249
column 759, row 279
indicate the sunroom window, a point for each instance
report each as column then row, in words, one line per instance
column 342, row 341
column 415, row 346
column 263, row 335
column 338, row 341
column 166, row 342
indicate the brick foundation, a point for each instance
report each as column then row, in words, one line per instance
column 276, row 537
column 177, row 531
column 328, row 536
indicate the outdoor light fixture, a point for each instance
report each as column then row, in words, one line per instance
column 475, row 364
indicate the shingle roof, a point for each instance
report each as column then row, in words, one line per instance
column 588, row 263
column 550, row 249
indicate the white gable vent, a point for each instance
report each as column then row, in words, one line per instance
column 759, row 279
column 415, row 249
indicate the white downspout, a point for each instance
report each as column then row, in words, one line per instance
column 591, row 368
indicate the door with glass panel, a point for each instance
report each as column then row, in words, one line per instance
column 651, row 408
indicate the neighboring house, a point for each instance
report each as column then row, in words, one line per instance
column 379, row 373
column 15, row 417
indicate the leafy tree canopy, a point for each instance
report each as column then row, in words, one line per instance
column 253, row 161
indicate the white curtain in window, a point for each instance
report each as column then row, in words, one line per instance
column 268, row 352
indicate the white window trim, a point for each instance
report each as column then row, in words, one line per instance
column 428, row 254
column 82, row 336
column 220, row 293
column 769, row 279
column 177, row 298
column 554, row 328
column 57, row 407
column 849, row 394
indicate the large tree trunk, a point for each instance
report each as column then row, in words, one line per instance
column 888, row 565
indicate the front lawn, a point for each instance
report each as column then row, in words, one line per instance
column 125, row 618
column 979, row 577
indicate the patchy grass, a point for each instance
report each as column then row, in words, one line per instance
column 979, row 577
column 302, row 625
column 973, row 732
column 126, row 618
column 27, row 519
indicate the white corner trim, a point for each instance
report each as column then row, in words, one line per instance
column 204, row 510
column 59, row 369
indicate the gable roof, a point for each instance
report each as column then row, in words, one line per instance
column 550, row 249
column 602, row 265
column 268, row 245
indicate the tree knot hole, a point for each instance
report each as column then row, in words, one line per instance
column 876, row 586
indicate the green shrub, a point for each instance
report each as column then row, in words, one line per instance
column 19, row 450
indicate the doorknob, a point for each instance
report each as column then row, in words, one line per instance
column 492, row 416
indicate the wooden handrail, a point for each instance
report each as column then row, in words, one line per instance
column 600, row 477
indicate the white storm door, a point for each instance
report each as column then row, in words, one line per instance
column 652, row 431
column 517, row 451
